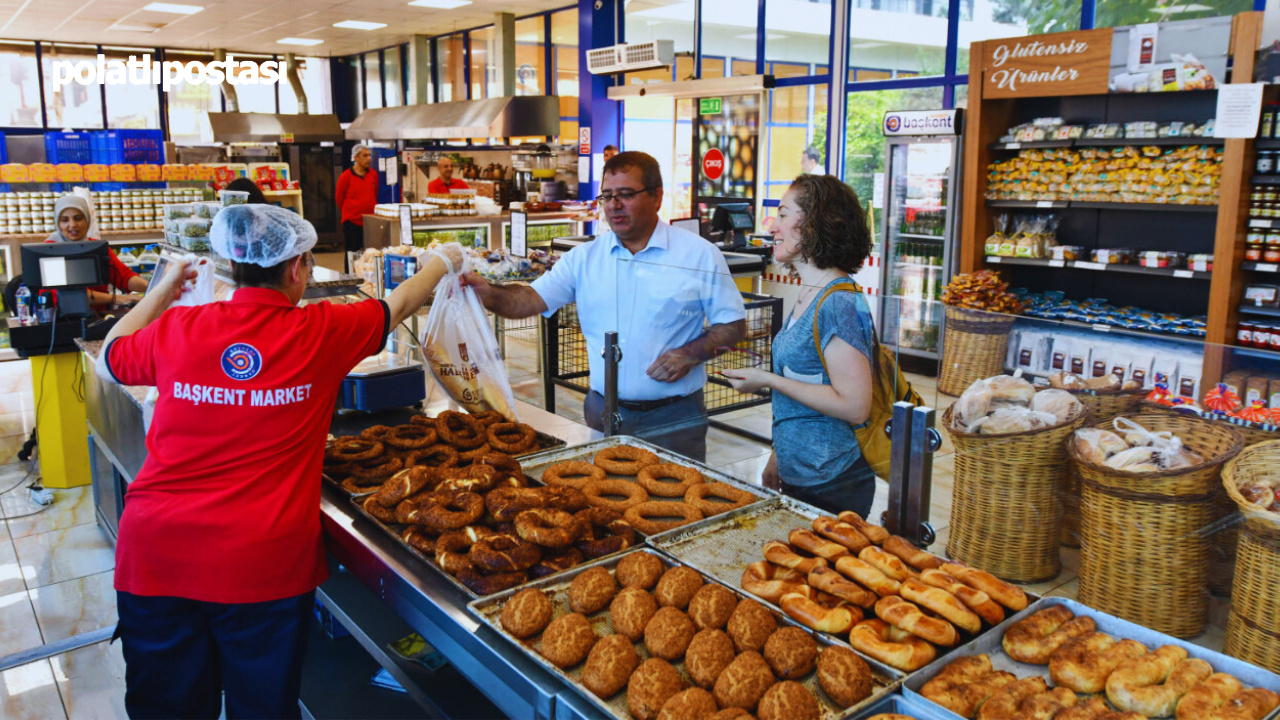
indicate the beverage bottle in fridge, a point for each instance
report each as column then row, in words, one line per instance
column 25, row 315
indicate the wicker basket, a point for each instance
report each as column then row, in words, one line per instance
column 1005, row 508
column 1103, row 407
column 1253, row 628
column 974, row 346
column 1143, row 556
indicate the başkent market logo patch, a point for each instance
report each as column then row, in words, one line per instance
column 892, row 123
column 241, row 361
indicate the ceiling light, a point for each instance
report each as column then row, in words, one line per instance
column 298, row 41
column 440, row 4
column 359, row 25
column 173, row 8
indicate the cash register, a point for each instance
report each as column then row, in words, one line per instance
column 59, row 276
column 730, row 223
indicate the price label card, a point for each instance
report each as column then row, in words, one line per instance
column 1044, row 203
column 519, row 233
column 1057, row 263
column 406, row 225
column 1266, row 267
column 1264, row 224
column 1183, row 274
column 1101, row 328
column 1091, row 265
column 994, row 259
column 1013, row 146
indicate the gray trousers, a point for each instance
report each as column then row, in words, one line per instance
column 680, row 427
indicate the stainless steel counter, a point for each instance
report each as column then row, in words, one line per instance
column 424, row 600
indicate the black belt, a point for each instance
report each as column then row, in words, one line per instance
column 647, row 405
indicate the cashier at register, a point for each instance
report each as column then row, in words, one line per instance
column 72, row 212
column 446, row 182
column 658, row 287
column 220, row 547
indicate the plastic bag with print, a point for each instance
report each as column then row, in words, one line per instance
column 459, row 345
column 203, row 289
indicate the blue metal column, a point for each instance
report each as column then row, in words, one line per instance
column 1088, row 14
column 837, row 101
column 760, row 38
column 595, row 109
column 953, row 51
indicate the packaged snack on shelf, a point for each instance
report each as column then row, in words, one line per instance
column 1060, row 357
column 1066, row 252
column 1255, row 390
column 1200, row 262
column 997, row 238
column 1260, row 295
column 1100, row 361
column 1033, row 347
column 1078, row 359
column 1113, row 256
column 1161, row 259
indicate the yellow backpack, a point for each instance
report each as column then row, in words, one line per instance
column 889, row 386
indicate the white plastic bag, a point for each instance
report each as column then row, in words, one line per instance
column 459, row 345
column 202, row 290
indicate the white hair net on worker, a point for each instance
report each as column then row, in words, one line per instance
column 263, row 235
column 356, row 150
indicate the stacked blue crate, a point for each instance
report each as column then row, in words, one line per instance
column 67, row 147
column 132, row 147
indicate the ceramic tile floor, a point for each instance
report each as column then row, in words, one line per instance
column 56, row 566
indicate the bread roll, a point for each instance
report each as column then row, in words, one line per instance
column 1097, row 445
column 1106, row 382
column 1139, row 459
column 972, row 405
column 1014, row 419
column 1066, row 381
column 1011, row 390
column 1059, row 403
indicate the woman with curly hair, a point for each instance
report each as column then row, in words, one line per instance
column 821, row 232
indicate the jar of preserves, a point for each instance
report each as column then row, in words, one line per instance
column 1271, row 249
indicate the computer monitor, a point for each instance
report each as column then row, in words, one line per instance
column 69, row 268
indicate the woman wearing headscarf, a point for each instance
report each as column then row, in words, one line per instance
column 357, row 195
column 73, row 216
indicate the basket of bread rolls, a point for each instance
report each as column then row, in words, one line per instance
column 1252, row 480
column 1106, row 397
column 1009, row 466
column 1149, row 485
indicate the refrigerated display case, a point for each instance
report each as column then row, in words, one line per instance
column 919, row 227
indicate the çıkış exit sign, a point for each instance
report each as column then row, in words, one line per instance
column 710, row 106
column 1069, row 63
column 713, row 164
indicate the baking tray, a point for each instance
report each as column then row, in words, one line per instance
column 723, row 546
column 545, row 443
column 535, row 464
column 902, row 705
column 489, row 610
column 990, row 643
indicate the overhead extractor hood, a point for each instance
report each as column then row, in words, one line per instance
column 270, row 127
column 526, row 116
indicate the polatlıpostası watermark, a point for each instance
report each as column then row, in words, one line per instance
column 145, row 71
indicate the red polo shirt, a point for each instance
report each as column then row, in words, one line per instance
column 226, row 507
column 437, row 186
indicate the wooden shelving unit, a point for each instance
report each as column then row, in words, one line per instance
column 1218, row 229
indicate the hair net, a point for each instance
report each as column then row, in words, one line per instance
column 356, row 150
column 263, row 235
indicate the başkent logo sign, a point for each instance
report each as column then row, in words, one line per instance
column 1070, row 63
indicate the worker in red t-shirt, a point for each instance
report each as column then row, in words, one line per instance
column 446, row 182
column 220, row 547
column 357, row 195
column 73, row 217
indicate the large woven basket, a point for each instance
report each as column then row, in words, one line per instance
column 974, row 346
column 1005, row 508
column 1143, row 553
column 1103, row 406
column 1253, row 628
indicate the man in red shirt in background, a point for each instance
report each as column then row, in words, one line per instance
column 357, row 195
column 446, row 182
column 220, row 547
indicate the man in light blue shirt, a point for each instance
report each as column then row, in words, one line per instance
column 667, row 293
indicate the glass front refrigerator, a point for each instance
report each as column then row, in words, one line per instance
column 919, row 226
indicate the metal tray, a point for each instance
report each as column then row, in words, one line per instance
column 991, row 644
column 901, row 705
column 723, row 546
column 394, row 534
column 545, row 443
column 489, row 610
column 534, row 465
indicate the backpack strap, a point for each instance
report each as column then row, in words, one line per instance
column 817, row 335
